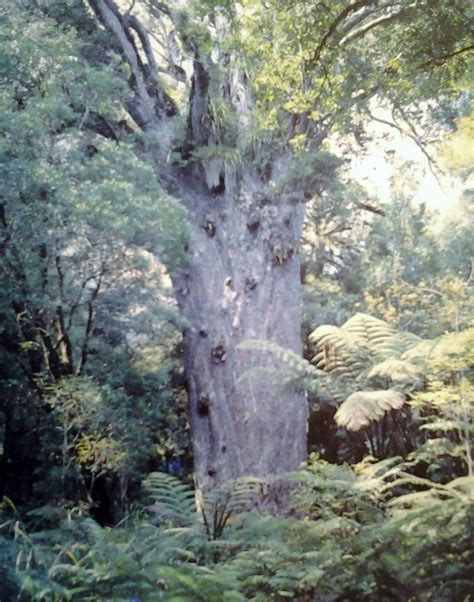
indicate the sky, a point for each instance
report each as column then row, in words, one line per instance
column 374, row 168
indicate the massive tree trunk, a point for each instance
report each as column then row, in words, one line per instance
column 242, row 281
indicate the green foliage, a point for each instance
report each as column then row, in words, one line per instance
column 364, row 407
column 85, row 562
column 365, row 352
column 291, row 371
column 328, row 59
column 366, row 369
column 90, row 360
column 85, row 233
column 444, row 408
column 172, row 500
column 456, row 152
column 371, row 532
column 176, row 503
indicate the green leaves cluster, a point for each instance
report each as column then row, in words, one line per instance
column 87, row 236
column 329, row 59
column 370, row 532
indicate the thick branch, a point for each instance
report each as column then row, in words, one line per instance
column 362, row 15
column 335, row 24
column 364, row 29
column 149, row 104
column 135, row 24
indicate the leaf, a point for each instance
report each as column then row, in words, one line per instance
column 174, row 501
column 398, row 371
column 361, row 408
column 464, row 483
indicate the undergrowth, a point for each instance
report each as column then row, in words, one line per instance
column 370, row 532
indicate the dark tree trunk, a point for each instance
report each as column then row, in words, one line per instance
column 243, row 282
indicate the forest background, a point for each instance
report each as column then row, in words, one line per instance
column 125, row 132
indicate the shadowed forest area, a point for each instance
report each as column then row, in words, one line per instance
column 236, row 324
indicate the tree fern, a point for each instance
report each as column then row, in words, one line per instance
column 173, row 500
column 365, row 353
column 363, row 407
column 358, row 344
column 348, row 362
column 399, row 373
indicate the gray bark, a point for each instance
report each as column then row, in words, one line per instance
column 242, row 282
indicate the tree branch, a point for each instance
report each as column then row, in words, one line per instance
column 439, row 60
column 135, row 24
column 89, row 322
column 77, row 302
column 363, row 15
column 361, row 31
column 335, row 24
column 149, row 104
column 431, row 161
column 371, row 208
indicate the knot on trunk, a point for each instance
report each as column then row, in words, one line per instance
column 218, row 353
column 253, row 222
column 210, row 228
column 250, row 284
column 281, row 249
column 203, row 405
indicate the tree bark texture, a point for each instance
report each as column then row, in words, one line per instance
column 242, row 283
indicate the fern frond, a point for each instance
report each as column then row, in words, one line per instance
column 293, row 361
column 419, row 352
column 399, row 372
column 367, row 328
column 173, row 500
column 464, row 484
column 323, row 333
column 397, row 344
column 231, row 498
column 363, row 407
column 359, row 342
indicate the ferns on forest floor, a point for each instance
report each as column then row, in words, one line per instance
column 371, row 532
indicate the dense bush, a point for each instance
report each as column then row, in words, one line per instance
column 372, row 532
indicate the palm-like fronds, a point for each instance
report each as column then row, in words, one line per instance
column 363, row 407
column 178, row 504
column 360, row 354
column 358, row 344
column 353, row 365
column 221, row 503
column 173, row 500
column 399, row 372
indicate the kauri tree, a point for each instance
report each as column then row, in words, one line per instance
column 232, row 103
